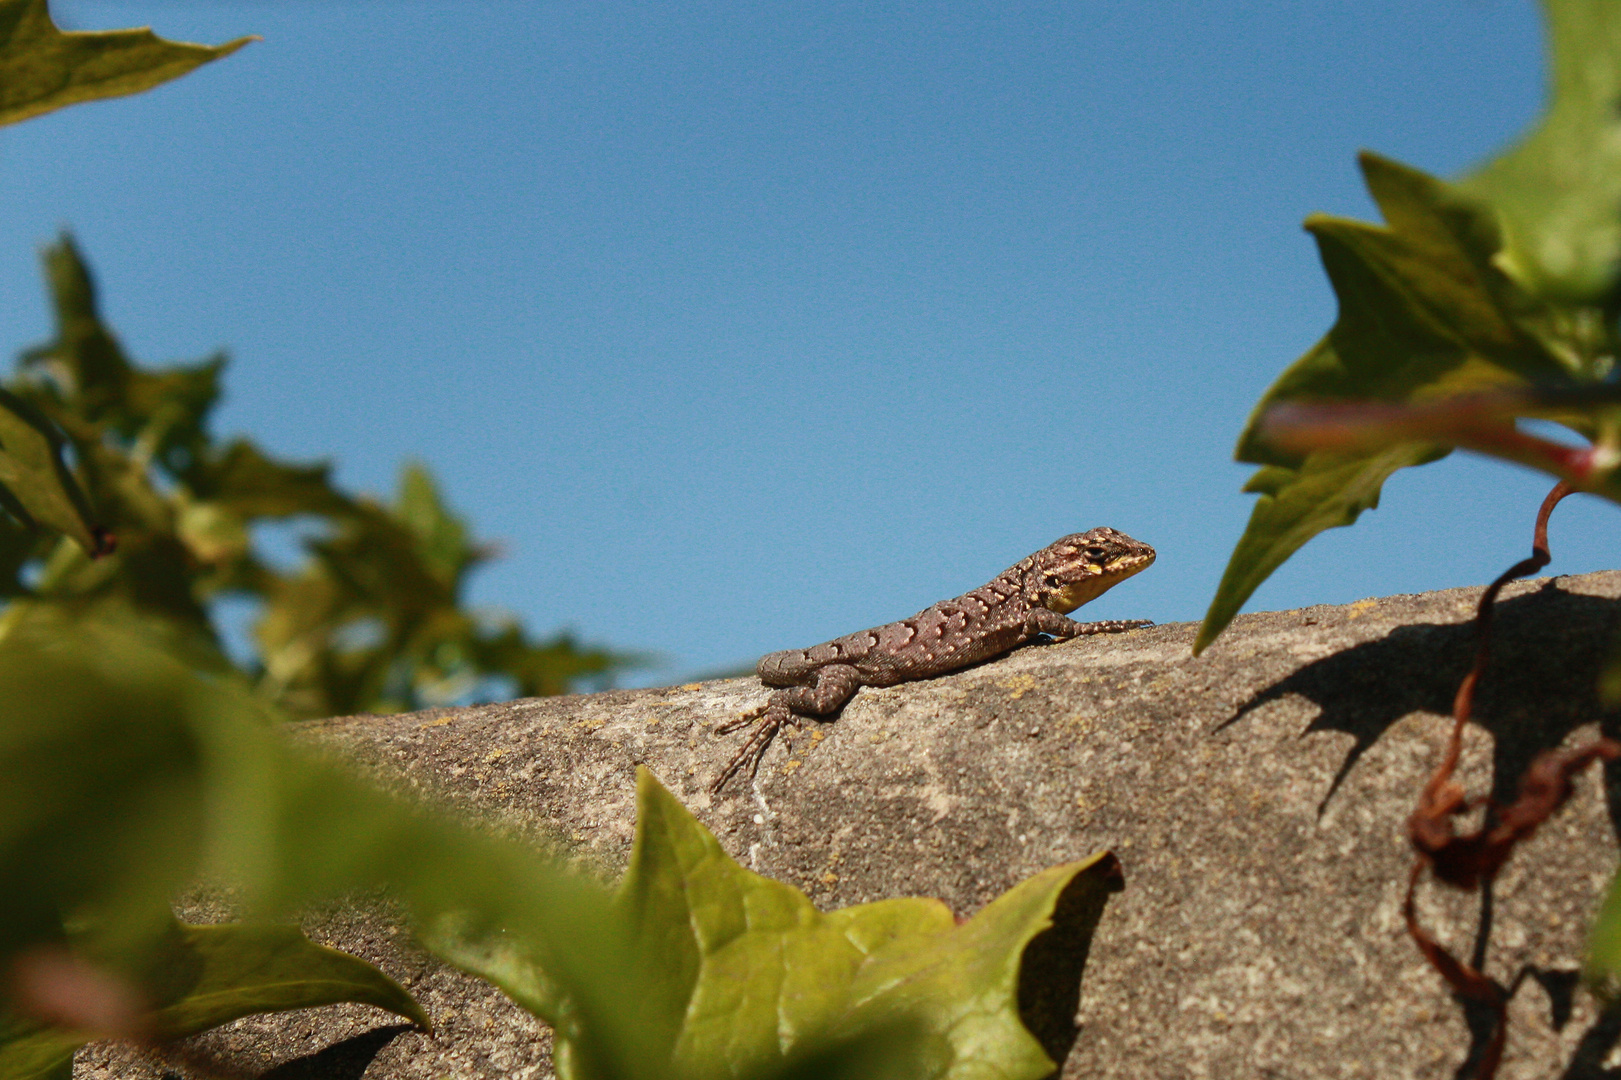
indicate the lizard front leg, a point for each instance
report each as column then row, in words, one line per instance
column 835, row 684
column 1046, row 621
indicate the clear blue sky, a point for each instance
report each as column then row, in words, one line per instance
column 744, row 325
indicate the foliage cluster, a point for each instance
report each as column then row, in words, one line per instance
column 372, row 621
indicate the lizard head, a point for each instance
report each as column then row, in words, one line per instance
column 1083, row 566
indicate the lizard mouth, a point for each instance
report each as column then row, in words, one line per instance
column 1101, row 580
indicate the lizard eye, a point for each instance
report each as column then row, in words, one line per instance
column 1096, row 554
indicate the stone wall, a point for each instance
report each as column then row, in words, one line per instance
column 1256, row 797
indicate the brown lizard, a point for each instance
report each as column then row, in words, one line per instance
column 1028, row 599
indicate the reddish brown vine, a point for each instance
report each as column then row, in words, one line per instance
column 1472, row 860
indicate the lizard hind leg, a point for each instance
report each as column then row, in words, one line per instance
column 771, row 719
column 835, row 684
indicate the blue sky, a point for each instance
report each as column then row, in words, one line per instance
column 744, row 325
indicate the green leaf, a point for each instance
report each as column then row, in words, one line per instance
column 251, row 969
column 104, row 769
column 743, row 973
column 1295, row 505
column 28, row 1052
column 86, row 360
column 95, row 389
column 1421, row 312
column 1603, row 964
column 125, row 774
column 1557, row 193
column 540, row 669
column 39, row 488
column 224, row 972
column 443, row 544
column 1471, row 287
column 1471, row 292
column 43, row 69
column 245, row 480
column 1422, row 315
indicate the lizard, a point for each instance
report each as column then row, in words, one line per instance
column 1030, row 598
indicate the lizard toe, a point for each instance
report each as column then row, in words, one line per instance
column 740, row 722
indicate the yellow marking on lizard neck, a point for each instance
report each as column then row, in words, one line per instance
column 1100, row 580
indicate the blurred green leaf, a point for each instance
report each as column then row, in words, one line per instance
column 743, row 972
column 244, row 480
column 107, row 749
column 211, row 975
column 85, row 360
column 374, row 622
column 28, row 1052
column 39, row 488
column 374, row 619
column 1557, row 193
column 1603, row 966
column 43, row 69
column 125, row 773
column 442, row 541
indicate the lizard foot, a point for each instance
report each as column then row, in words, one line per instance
column 754, row 747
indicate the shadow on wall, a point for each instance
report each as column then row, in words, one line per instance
column 346, row 1060
column 1548, row 649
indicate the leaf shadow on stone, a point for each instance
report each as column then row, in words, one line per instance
column 1051, row 968
column 1548, row 649
column 346, row 1060
column 1587, row 1063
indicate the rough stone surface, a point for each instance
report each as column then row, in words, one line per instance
column 1256, row 795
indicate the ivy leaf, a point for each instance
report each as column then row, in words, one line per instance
column 443, row 544
column 746, row 974
column 1475, row 296
column 43, row 68
column 1327, row 491
column 247, row 482
column 1557, row 193
column 1423, row 315
column 224, row 972
column 125, row 774
column 35, row 484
